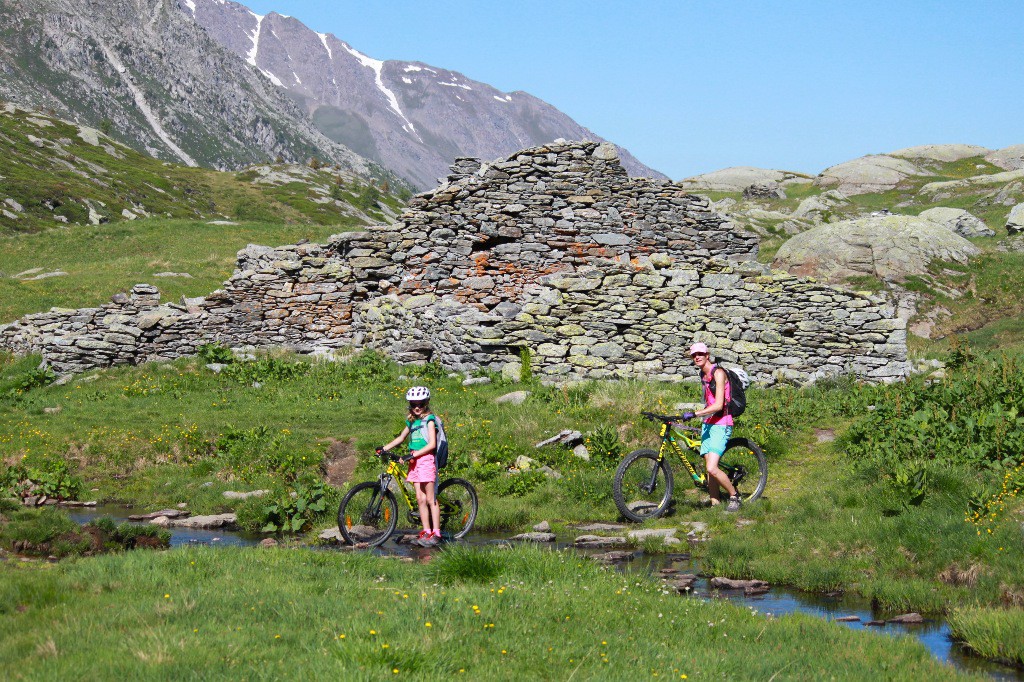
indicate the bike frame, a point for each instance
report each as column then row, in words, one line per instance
column 668, row 443
column 394, row 473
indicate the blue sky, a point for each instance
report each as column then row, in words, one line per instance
column 692, row 87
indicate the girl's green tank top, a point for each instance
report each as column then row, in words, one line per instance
column 418, row 432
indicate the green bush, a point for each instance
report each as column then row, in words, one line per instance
column 290, row 514
column 974, row 416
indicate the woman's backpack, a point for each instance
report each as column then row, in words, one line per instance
column 738, row 382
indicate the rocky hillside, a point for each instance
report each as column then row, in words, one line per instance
column 144, row 73
column 938, row 225
column 59, row 173
column 409, row 116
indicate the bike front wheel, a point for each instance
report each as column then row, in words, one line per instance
column 643, row 486
column 368, row 514
column 458, row 504
column 745, row 465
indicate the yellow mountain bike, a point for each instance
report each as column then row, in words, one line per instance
column 643, row 481
column 369, row 511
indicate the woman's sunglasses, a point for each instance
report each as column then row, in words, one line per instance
column 417, row 403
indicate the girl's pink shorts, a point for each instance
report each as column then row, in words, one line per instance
column 422, row 470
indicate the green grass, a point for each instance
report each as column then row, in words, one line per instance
column 66, row 175
column 479, row 614
column 105, row 259
column 992, row 633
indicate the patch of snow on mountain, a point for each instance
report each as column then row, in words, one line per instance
column 191, row 6
column 412, row 68
column 255, row 38
column 500, row 99
column 273, row 79
column 323, row 39
column 377, row 67
column 406, row 80
column 297, row 79
column 457, row 85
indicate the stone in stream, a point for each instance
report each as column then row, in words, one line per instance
column 613, row 557
column 534, row 537
column 203, row 522
column 645, row 533
column 268, row 542
column 599, row 527
column 598, row 541
column 749, row 587
column 681, row 583
column 908, row 619
column 875, row 623
column 847, row 619
column 167, row 513
column 332, row 535
column 543, row 527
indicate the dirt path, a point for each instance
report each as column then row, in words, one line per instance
column 340, row 462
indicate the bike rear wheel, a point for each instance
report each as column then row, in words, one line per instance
column 458, row 503
column 643, row 486
column 367, row 514
column 745, row 465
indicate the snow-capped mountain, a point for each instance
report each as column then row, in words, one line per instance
column 410, row 117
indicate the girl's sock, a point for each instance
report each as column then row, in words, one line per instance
column 436, row 532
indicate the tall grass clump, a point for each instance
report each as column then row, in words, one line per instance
column 996, row 633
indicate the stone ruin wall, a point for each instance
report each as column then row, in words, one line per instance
column 555, row 249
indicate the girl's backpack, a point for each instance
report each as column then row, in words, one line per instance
column 441, row 446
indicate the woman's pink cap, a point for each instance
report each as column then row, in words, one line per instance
column 698, row 348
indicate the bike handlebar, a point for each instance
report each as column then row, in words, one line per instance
column 675, row 420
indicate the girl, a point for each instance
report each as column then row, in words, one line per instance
column 421, row 429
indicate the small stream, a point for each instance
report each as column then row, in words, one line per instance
column 933, row 633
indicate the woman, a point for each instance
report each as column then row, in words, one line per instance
column 717, row 424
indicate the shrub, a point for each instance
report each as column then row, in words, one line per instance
column 295, row 514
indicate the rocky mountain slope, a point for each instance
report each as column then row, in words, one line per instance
column 144, row 73
column 939, row 226
column 58, row 173
column 410, row 117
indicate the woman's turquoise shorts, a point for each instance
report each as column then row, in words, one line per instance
column 713, row 438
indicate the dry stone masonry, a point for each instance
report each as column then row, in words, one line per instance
column 554, row 250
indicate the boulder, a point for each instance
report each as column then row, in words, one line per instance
column 768, row 189
column 1015, row 221
column 645, row 533
column 737, row 179
column 543, row 527
column 820, row 208
column 567, row 437
column 513, row 398
column 235, row 495
column 958, row 220
column 875, row 173
column 944, row 153
column 1008, row 158
column 890, row 247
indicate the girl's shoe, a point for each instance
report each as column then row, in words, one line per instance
column 424, row 534
column 437, row 534
column 430, row 540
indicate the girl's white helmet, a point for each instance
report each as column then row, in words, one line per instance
column 417, row 393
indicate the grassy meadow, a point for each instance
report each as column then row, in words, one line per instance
column 483, row 614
